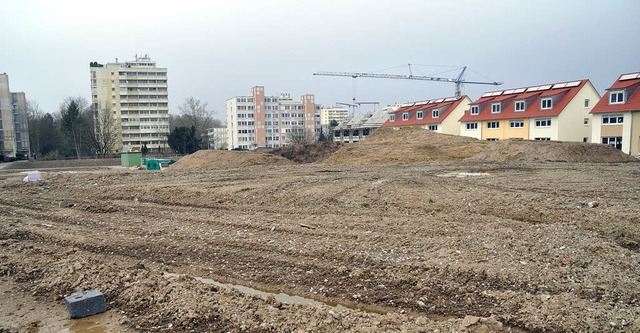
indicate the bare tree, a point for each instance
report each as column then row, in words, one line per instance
column 299, row 136
column 105, row 131
column 35, row 119
column 196, row 113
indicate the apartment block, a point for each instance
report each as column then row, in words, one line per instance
column 137, row 93
column 217, row 138
column 440, row 115
column 20, row 122
column 333, row 113
column 14, row 121
column 616, row 116
column 261, row 121
column 556, row 111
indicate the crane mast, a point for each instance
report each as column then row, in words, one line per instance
column 459, row 81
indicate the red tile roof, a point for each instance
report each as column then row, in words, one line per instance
column 445, row 105
column 559, row 92
column 630, row 85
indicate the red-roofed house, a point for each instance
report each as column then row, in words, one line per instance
column 557, row 111
column 438, row 115
column 616, row 117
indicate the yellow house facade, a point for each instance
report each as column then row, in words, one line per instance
column 558, row 111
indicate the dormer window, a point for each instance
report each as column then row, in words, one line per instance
column 496, row 108
column 520, row 106
column 392, row 118
column 475, row 109
column 546, row 103
column 435, row 113
column 420, row 115
column 616, row 97
column 405, row 116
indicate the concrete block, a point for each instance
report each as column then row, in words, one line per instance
column 85, row 303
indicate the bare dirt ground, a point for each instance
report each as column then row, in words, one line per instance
column 438, row 246
column 57, row 164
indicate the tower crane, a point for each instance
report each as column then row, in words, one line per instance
column 458, row 80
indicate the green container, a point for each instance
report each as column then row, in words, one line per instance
column 153, row 165
column 158, row 163
column 130, row 159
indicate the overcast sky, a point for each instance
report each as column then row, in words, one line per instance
column 215, row 50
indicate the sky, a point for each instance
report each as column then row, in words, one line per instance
column 216, row 50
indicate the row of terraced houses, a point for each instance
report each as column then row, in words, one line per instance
column 564, row 111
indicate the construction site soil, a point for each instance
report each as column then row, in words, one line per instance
column 405, row 244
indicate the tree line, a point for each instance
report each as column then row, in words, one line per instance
column 79, row 129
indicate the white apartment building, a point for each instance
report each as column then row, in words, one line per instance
column 337, row 113
column 260, row 121
column 137, row 92
column 217, row 138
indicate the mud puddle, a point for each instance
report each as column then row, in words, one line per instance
column 92, row 324
column 87, row 327
column 286, row 298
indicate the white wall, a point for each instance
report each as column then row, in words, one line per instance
column 596, row 128
column 544, row 132
column 477, row 133
column 626, row 132
column 571, row 119
column 451, row 125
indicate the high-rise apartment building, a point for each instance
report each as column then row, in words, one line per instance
column 14, row 122
column 136, row 91
column 260, row 121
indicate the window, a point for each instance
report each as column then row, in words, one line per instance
column 420, row 115
column 472, row 126
column 544, row 122
column 585, row 139
column 520, row 105
column 493, row 124
column 392, row 117
column 615, row 141
column 405, row 116
column 616, row 97
column 433, row 127
column 435, row 113
column 517, row 124
column 542, row 139
column 495, row 108
column 546, row 103
column 586, row 121
column 586, row 103
column 492, row 139
column 475, row 109
column 615, row 119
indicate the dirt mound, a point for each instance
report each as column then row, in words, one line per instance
column 310, row 153
column 550, row 151
column 217, row 159
column 406, row 145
